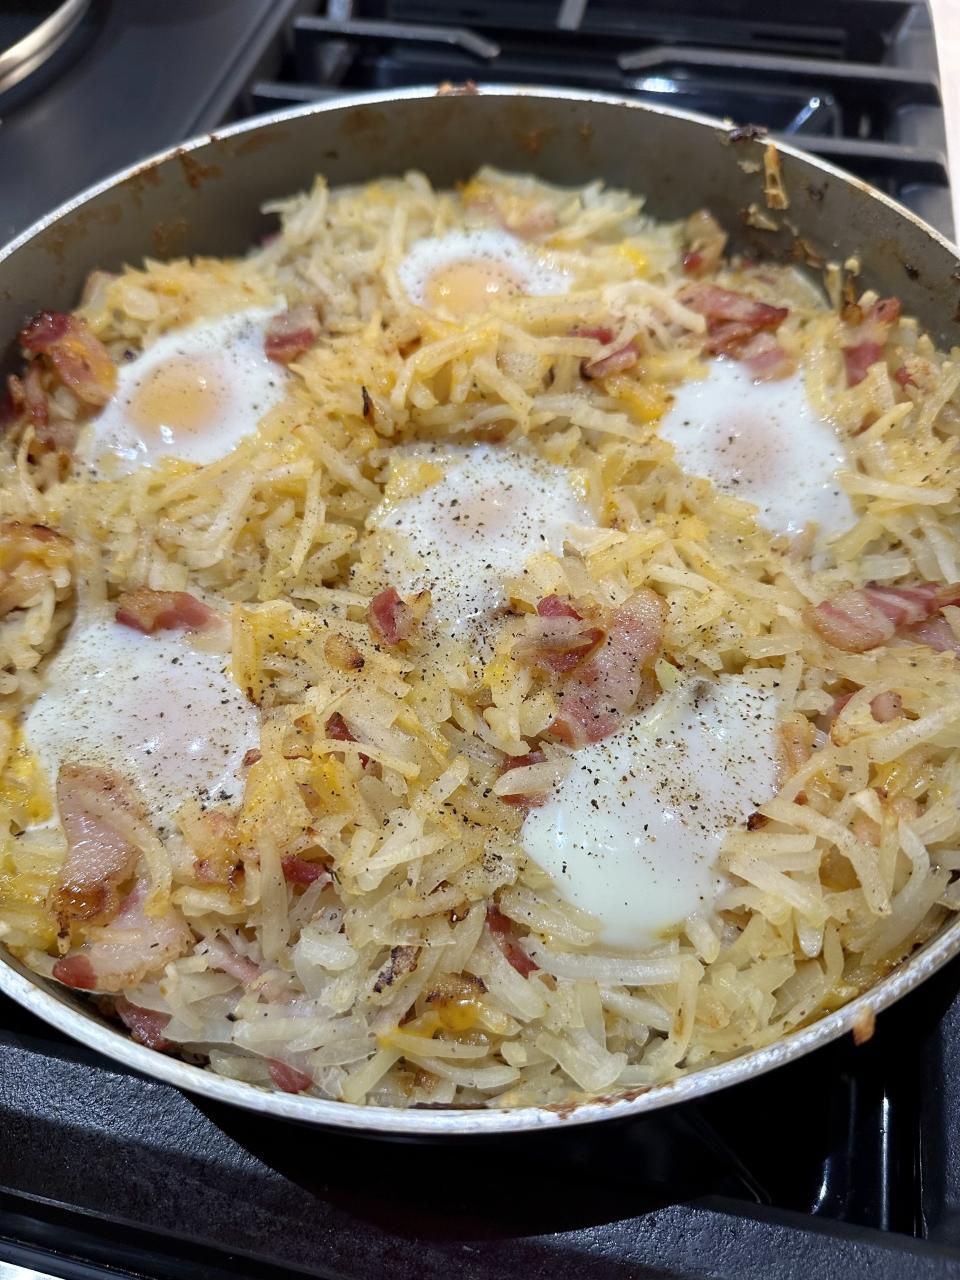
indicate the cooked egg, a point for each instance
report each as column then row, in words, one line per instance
column 486, row 512
column 155, row 708
column 193, row 394
column 761, row 442
column 464, row 271
column 632, row 833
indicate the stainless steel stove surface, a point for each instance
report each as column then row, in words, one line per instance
column 847, row 1163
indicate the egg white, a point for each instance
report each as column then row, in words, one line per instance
column 156, row 709
column 631, row 834
column 460, row 538
column 227, row 366
column 534, row 274
column 762, row 442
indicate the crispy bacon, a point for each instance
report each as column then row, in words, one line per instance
column 765, row 358
column 534, row 799
column 502, row 931
column 302, row 871
column 149, row 611
column 733, row 319
column 288, row 1078
column 146, row 1026
column 868, row 338
column 596, row 692
column 128, row 949
column 390, row 618
column 858, row 620
column 79, row 360
column 97, row 808
column 291, row 333
column 706, row 241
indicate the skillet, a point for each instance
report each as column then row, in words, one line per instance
column 205, row 196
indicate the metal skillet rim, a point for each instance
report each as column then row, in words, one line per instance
column 83, row 1024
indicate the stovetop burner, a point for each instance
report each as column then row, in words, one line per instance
column 846, row 1163
column 35, row 41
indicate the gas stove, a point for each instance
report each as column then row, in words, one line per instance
column 845, row 1163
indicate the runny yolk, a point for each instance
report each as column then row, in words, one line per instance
column 471, row 285
column 179, row 399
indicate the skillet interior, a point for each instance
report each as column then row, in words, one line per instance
column 204, row 197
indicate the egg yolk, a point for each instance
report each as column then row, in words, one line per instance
column 462, row 287
column 177, row 400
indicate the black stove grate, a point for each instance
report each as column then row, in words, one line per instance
column 853, row 81
column 843, row 1163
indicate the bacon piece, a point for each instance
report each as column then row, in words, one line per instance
column 75, row 971
column 212, row 835
column 390, row 618
column 858, row 620
column 146, row 1026
column 732, row 318
column 291, row 333
column 226, row 959
column 149, row 611
column 288, row 1078
column 557, row 607
column 596, row 693
column 886, row 706
column 30, row 554
column 26, row 395
column 58, row 435
column 904, row 377
column 706, row 240
column 624, row 357
column 765, row 358
column 523, row 216
column 936, row 633
column 858, row 360
column 560, row 640
column 132, row 946
column 533, row 799
column 868, row 338
column 97, row 808
column 539, row 219
column 80, row 360
column 501, row 930
column 338, row 729
column 302, row 871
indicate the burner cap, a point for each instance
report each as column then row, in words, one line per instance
column 31, row 33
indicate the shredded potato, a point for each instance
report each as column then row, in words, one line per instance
column 384, row 980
